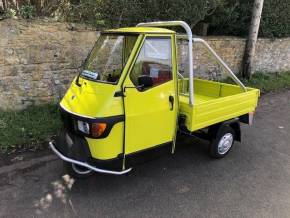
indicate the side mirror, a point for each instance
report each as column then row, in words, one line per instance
column 145, row 81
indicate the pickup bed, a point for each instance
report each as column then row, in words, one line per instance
column 214, row 102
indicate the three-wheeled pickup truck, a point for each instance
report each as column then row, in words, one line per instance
column 129, row 100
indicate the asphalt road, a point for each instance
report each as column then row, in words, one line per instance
column 252, row 181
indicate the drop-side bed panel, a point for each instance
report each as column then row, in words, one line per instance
column 211, row 107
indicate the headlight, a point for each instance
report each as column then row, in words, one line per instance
column 98, row 129
column 83, row 127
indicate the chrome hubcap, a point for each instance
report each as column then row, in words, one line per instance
column 80, row 170
column 225, row 143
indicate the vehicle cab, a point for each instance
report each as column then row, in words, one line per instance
column 120, row 102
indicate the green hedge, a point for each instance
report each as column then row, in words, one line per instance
column 225, row 17
column 275, row 18
column 233, row 17
column 107, row 13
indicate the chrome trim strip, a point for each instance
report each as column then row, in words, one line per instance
column 98, row 170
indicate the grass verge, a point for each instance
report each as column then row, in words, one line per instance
column 269, row 82
column 28, row 129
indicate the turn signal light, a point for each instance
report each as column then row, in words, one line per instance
column 98, row 129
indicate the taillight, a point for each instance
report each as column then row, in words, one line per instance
column 98, row 129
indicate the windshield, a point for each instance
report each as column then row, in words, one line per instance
column 108, row 58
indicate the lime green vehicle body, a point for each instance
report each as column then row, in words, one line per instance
column 147, row 118
column 217, row 102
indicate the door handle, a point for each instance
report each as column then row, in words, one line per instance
column 171, row 100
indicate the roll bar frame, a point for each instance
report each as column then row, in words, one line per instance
column 190, row 56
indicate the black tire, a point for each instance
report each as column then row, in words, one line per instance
column 77, row 172
column 222, row 143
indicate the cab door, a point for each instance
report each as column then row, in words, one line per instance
column 150, row 100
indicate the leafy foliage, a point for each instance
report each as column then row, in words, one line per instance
column 130, row 12
column 233, row 17
column 10, row 13
column 275, row 20
column 225, row 17
column 27, row 11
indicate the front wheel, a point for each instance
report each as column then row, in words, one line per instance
column 222, row 143
column 77, row 171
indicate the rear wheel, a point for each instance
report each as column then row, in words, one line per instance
column 222, row 143
column 77, row 171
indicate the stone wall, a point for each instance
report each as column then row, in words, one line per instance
column 39, row 59
column 271, row 55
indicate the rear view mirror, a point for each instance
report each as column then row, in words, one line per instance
column 145, row 81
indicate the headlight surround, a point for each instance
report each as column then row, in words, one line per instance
column 83, row 126
column 91, row 129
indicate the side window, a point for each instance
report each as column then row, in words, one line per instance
column 154, row 60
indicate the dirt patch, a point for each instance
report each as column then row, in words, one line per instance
column 23, row 153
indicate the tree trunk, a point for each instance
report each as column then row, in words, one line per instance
column 4, row 5
column 252, row 39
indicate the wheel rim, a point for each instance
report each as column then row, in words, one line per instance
column 80, row 169
column 225, row 143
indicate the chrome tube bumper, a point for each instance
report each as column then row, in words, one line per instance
column 61, row 156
